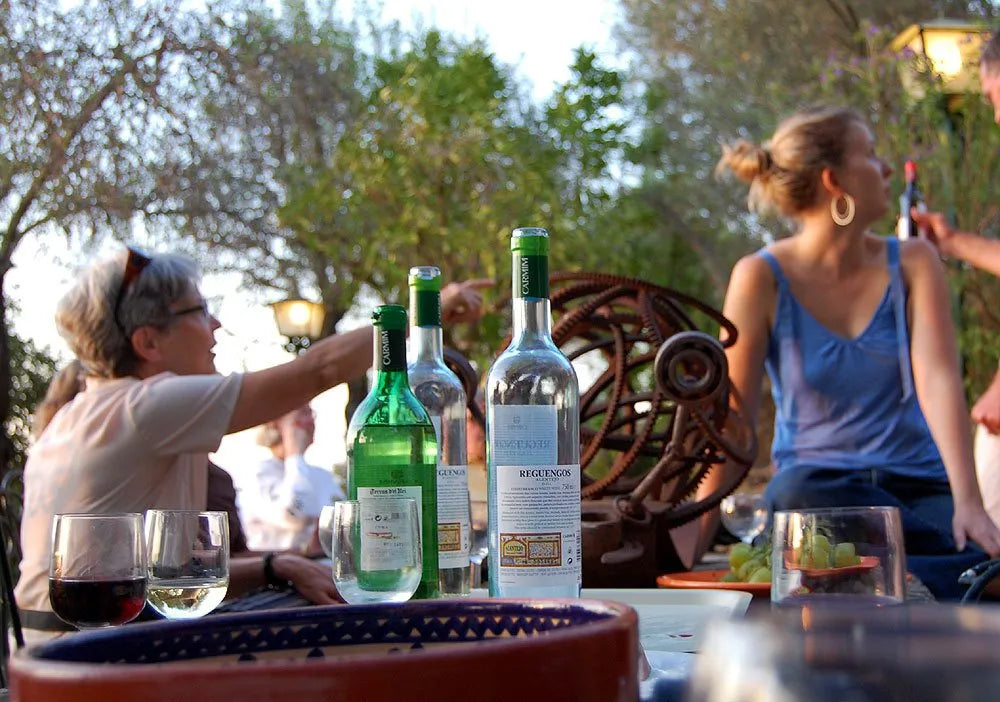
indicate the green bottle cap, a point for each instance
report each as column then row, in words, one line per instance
column 530, row 251
column 425, row 278
column 425, row 296
column 530, row 241
column 389, row 317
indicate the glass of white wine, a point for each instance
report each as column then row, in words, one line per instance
column 376, row 549
column 188, row 561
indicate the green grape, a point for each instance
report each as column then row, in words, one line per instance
column 820, row 541
column 747, row 568
column 821, row 556
column 739, row 554
column 761, row 575
column 730, row 577
column 844, row 555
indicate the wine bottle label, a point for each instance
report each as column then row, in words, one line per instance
column 524, row 435
column 538, row 500
column 386, row 537
column 539, row 523
column 453, row 516
column 390, row 349
column 532, row 276
column 394, row 492
column 454, row 538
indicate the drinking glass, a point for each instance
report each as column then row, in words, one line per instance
column 889, row 654
column 97, row 569
column 744, row 514
column 838, row 556
column 324, row 531
column 376, row 549
column 188, row 555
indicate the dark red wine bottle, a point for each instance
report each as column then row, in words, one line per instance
column 911, row 197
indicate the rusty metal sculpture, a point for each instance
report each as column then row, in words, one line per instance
column 661, row 445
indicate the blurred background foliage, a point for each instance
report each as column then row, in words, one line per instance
column 320, row 157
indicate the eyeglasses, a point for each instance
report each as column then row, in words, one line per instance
column 135, row 264
column 201, row 307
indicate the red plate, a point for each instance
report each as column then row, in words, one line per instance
column 867, row 563
column 711, row 579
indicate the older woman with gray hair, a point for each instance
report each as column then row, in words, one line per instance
column 138, row 437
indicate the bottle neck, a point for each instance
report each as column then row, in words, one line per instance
column 426, row 344
column 390, row 358
column 391, row 382
column 532, row 316
column 530, row 291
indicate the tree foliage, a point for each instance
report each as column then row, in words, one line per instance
column 715, row 70
column 447, row 158
column 87, row 107
column 275, row 93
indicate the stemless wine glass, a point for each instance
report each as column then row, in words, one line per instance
column 188, row 555
column 324, row 530
column 838, row 556
column 376, row 549
column 916, row 654
column 744, row 514
column 97, row 570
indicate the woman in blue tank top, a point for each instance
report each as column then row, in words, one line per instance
column 855, row 334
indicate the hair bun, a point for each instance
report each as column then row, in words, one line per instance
column 764, row 160
column 747, row 161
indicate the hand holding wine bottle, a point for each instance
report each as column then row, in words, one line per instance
column 911, row 199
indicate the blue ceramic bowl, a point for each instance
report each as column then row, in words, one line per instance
column 442, row 649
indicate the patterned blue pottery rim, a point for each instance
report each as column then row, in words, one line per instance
column 318, row 631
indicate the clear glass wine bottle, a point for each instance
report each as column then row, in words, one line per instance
column 442, row 395
column 533, row 446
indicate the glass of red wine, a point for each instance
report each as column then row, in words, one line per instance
column 97, row 570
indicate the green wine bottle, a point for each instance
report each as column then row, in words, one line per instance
column 391, row 441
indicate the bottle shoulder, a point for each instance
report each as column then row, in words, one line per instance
column 397, row 409
column 543, row 361
column 421, row 373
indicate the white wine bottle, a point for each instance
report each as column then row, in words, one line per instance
column 533, row 444
column 392, row 449
column 442, row 395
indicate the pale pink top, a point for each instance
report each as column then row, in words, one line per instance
column 122, row 445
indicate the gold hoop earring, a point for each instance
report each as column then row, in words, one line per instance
column 842, row 219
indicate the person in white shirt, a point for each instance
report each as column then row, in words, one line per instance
column 281, row 504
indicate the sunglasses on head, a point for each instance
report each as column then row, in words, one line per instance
column 135, row 264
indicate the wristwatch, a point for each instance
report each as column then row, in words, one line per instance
column 270, row 577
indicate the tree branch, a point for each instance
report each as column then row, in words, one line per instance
column 60, row 143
